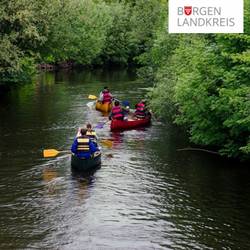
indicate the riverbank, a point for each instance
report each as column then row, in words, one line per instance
column 180, row 199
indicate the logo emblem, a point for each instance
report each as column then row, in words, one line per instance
column 188, row 10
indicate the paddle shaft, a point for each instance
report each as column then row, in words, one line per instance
column 101, row 124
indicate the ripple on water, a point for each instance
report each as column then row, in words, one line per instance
column 145, row 196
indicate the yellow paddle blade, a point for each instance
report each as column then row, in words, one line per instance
column 92, row 97
column 107, row 143
column 50, row 153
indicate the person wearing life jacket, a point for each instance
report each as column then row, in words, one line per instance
column 82, row 146
column 91, row 134
column 116, row 112
column 141, row 110
column 105, row 96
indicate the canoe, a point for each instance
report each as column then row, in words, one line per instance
column 117, row 125
column 103, row 107
column 85, row 164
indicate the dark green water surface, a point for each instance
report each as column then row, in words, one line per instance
column 145, row 196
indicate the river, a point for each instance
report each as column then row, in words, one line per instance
column 146, row 195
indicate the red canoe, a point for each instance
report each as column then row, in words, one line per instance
column 117, row 125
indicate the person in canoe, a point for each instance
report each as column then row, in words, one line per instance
column 116, row 112
column 105, row 96
column 82, row 146
column 125, row 109
column 91, row 134
column 141, row 110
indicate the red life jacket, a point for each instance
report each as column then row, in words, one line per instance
column 117, row 113
column 106, row 96
column 140, row 107
column 140, row 110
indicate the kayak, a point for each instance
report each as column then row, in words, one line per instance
column 85, row 164
column 104, row 107
column 117, row 125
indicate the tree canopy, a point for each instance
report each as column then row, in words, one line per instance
column 202, row 82
column 83, row 31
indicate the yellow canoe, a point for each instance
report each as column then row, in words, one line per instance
column 103, row 107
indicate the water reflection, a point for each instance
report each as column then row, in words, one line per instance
column 117, row 139
column 49, row 174
column 83, row 182
column 146, row 195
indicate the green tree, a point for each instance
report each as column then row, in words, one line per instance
column 146, row 17
column 117, row 43
column 78, row 32
column 23, row 29
column 202, row 82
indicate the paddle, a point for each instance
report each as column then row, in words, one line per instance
column 92, row 97
column 101, row 124
column 107, row 143
column 47, row 153
column 90, row 104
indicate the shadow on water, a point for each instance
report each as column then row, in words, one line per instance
column 84, row 180
column 208, row 189
column 84, row 175
column 145, row 196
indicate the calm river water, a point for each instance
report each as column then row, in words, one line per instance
column 145, row 196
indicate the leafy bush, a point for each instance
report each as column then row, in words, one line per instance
column 202, row 82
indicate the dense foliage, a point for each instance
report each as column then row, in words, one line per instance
column 203, row 83
column 23, row 28
column 86, row 32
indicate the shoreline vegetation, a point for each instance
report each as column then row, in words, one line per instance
column 199, row 82
column 52, row 33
